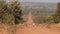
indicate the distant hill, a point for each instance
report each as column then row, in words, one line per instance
column 38, row 8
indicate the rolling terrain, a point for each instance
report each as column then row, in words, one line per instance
column 38, row 8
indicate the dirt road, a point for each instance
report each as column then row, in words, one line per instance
column 37, row 30
column 31, row 28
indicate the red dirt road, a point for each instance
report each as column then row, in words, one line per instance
column 31, row 28
column 36, row 30
column 3, row 31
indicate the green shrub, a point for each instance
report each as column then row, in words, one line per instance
column 7, row 19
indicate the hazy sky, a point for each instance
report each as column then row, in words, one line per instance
column 54, row 1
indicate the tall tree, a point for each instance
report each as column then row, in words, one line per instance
column 2, row 7
column 10, row 10
column 56, row 16
column 16, row 11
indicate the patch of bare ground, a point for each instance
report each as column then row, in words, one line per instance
column 3, row 29
column 7, row 29
column 30, row 29
column 37, row 29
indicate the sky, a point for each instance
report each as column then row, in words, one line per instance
column 51, row 1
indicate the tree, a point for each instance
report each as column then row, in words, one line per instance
column 16, row 11
column 4, row 16
column 56, row 16
column 2, row 4
column 10, row 11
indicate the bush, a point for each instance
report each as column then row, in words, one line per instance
column 7, row 19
